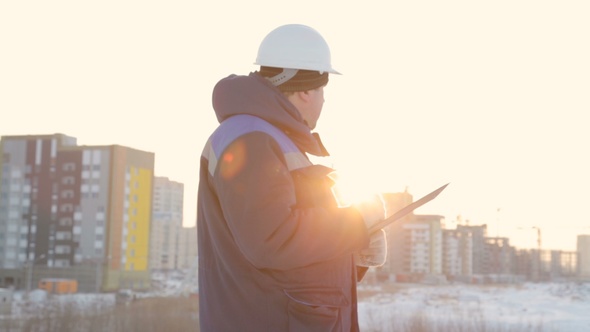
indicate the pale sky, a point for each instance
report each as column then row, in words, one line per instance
column 487, row 95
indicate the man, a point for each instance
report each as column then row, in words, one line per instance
column 276, row 252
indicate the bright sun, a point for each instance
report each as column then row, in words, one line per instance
column 350, row 190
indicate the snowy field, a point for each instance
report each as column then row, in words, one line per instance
column 397, row 307
column 527, row 307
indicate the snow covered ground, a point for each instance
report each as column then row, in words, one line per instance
column 397, row 307
column 527, row 307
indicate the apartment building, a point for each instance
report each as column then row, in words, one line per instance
column 167, row 221
column 395, row 262
column 416, row 246
column 187, row 249
column 478, row 234
column 497, row 256
column 457, row 253
column 72, row 206
column 583, row 249
column 29, row 200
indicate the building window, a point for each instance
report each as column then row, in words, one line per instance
column 67, row 208
column 68, row 180
column 63, row 236
column 62, row 249
column 62, row 263
column 65, row 221
column 69, row 167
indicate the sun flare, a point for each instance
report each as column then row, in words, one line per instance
column 351, row 190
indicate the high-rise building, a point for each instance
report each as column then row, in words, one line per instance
column 188, row 250
column 416, row 246
column 583, row 249
column 457, row 253
column 478, row 235
column 497, row 256
column 562, row 264
column 77, row 206
column 117, row 184
column 30, row 201
column 430, row 232
column 167, row 221
column 396, row 242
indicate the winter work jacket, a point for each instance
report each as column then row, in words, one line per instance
column 275, row 252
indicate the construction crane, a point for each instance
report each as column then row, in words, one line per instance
column 536, row 271
column 538, row 235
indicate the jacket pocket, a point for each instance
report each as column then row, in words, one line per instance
column 315, row 309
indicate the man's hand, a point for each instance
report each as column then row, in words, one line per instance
column 375, row 254
column 372, row 210
column 379, row 207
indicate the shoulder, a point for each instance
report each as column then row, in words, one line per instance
column 251, row 130
column 240, row 125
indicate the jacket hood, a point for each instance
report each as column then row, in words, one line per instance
column 255, row 95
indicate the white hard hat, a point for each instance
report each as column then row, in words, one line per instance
column 295, row 46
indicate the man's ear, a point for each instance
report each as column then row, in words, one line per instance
column 304, row 95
